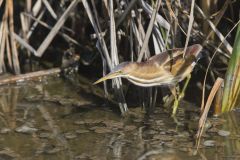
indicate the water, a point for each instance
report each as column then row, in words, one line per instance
column 67, row 119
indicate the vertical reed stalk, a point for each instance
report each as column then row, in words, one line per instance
column 232, row 79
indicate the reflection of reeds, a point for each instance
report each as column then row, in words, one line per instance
column 8, row 103
column 55, row 129
column 232, row 146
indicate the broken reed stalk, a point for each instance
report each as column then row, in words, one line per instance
column 204, row 115
column 220, row 15
column 41, row 49
column 214, row 28
column 218, row 101
column 64, row 35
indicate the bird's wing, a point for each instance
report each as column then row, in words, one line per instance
column 160, row 58
column 167, row 57
column 160, row 77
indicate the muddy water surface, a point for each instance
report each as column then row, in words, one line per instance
column 55, row 119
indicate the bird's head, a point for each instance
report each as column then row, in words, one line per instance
column 194, row 50
column 121, row 70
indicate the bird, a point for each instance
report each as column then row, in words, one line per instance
column 164, row 69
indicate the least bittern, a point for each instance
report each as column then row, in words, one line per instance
column 166, row 68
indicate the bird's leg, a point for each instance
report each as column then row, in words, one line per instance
column 182, row 93
column 175, row 92
column 179, row 95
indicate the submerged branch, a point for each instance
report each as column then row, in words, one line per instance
column 29, row 76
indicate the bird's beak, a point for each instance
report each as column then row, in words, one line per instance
column 108, row 76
